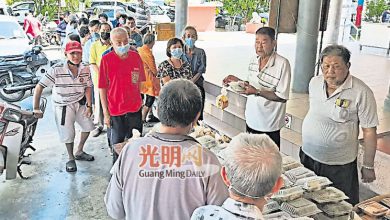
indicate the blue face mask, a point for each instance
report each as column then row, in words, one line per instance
column 190, row 42
column 123, row 50
column 177, row 52
column 95, row 36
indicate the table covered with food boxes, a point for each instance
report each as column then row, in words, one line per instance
column 304, row 195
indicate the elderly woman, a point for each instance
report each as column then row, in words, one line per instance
column 196, row 57
column 252, row 171
column 151, row 87
column 267, row 87
column 174, row 67
column 339, row 104
column 162, row 183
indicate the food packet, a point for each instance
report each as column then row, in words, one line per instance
column 222, row 101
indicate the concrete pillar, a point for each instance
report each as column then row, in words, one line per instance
column 334, row 18
column 387, row 102
column 307, row 40
column 181, row 14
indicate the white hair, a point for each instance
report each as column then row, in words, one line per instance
column 253, row 165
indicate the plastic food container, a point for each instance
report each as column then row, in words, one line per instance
column 271, row 206
column 300, row 208
column 313, row 183
column 373, row 209
column 336, row 209
column 237, row 86
column 286, row 182
column 288, row 194
column 207, row 141
column 277, row 216
column 322, row 216
column 386, row 202
column 289, row 163
column 327, row 195
column 298, row 173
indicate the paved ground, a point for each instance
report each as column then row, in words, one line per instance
column 52, row 193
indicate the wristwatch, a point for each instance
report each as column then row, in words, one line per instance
column 257, row 92
column 368, row 167
column 88, row 106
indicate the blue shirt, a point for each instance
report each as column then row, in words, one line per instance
column 87, row 50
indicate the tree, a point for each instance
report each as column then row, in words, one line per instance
column 244, row 8
column 375, row 8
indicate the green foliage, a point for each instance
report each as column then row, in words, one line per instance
column 245, row 8
column 375, row 9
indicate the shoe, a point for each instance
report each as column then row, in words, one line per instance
column 96, row 132
column 152, row 118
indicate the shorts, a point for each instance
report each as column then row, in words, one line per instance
column 149, row 101
column 66, row 116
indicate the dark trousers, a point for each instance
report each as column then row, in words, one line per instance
column 121, row 128
column 344, row 177
column 274, row 135
column 203, row 93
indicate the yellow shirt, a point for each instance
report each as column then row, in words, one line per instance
column 152, row 84
column 95, row 56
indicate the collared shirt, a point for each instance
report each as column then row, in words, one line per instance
column 157, row 190
column 230, row 210
column 95, row 56
column 167, row 69
column 330, row 129
column 67, row 89
column 122, row 79
column 197, row 62
column 262, row 114
column 152, row 84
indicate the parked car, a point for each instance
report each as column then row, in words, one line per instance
column 158, row 14
column 19, row 10
column 110, row 11
column 4, row 9
column 126, row 7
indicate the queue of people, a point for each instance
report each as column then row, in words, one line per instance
column 125, row 82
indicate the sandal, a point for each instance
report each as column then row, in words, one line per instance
column 71, row 166
column 84, row 156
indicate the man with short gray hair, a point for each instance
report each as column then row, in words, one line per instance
column 166, row 174
column 252, row 171
column 339, row 104
column 120, row 75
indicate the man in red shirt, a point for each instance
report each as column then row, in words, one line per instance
column 120, row 75
column 33, row 27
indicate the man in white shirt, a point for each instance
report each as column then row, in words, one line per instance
column 267, row 87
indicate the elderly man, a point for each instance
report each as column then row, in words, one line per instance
column 167, row 174
column 121, row 73
column 268, row 87
column 252, row 170
column 72, row 101
column 339, row 103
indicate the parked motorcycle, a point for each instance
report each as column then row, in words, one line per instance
column 22, row 73
column 17, row 128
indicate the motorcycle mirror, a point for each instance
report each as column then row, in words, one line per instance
column 37, row 49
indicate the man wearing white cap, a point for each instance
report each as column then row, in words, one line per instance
column 72, row 101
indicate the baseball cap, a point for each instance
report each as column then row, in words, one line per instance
column 73, row 46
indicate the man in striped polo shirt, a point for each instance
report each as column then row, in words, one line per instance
column 72, row 101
